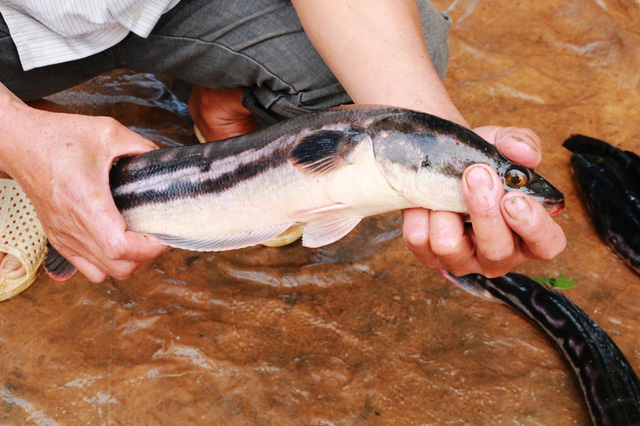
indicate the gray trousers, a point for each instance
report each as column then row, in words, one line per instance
column 255, row 44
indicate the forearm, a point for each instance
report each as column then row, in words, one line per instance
column 376, row 50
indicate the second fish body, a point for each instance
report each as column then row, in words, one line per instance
column 608, row 179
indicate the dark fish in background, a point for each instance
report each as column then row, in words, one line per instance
column 608, row 180
column 610, row 387
column 324, row 171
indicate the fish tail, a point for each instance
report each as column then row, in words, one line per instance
column 57, row 266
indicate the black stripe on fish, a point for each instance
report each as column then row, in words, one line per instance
column 316, row 152
column 166, row 161
column 609, row 385
column 190, row 186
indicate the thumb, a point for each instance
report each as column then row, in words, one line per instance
column 132, row 144
column 518, row 144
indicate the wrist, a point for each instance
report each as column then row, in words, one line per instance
column 12, row 129
column 435, row 102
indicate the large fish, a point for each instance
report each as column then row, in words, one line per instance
column 608, row 179
column 326, row 171
column 609, row 385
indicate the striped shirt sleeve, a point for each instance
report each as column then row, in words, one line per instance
column 48, row 32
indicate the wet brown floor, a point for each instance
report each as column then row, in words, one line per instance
column 357, row 332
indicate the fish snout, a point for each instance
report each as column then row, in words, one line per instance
column 546, row 194
column 551, row 199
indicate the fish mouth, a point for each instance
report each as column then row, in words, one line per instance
column 553, row 206
column 546, row 194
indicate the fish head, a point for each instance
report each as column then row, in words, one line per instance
column 423, row 158
column 407, row 163
column 519, row 178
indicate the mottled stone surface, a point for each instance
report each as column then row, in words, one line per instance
column 357, row 332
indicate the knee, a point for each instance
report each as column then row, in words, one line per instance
column 293, row 79
column 435, row 28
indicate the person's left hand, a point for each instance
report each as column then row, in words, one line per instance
column 507, row 229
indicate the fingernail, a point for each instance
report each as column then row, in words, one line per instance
column 524, row 142
column 517, row 207
column 479, row 180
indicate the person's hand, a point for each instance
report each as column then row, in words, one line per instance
column 507, row 229
column 62, row 162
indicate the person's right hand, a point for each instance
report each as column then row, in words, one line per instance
column 508, row 229
column 62, row 162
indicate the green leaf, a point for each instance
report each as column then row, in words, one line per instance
column 563, row 282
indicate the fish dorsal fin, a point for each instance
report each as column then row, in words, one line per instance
column 323, row 151
column 328, row 229
column 229, row 242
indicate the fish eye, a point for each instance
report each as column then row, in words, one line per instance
column 516, row 178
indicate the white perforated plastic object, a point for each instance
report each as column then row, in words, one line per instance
column 21, row 235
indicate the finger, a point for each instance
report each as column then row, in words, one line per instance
column 120, row 141
column 96, row 268
column 416, row 236
column 124, row 269
column 142, row 248
column 119, row 270
column 101, row 224
column 521, row 145
column 449, row 241
column 136, row 144
column 542, row 236
column 482, row 192
column 86, row 250
column 114, row 250
column 101, row 242
column 119, row 244
column 105, row 244
column 138, row 250
column 88, row 269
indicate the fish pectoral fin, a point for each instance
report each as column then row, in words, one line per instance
column 328, row 229
column 228, row 242
column 322, row 151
